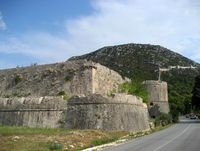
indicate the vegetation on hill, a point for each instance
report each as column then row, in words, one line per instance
column 196, row 94
column 142, row 61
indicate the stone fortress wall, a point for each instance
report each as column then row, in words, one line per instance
column 32, row 111
column 118, row 112
column 158, row 92
column 73, row 77
column 29, row 97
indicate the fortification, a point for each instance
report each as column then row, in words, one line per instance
column 32, row 112
column 29, row 97
column 70, row 77
column 119, row 112
column 158, row 97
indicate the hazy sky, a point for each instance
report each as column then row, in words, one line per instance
column 47, row 31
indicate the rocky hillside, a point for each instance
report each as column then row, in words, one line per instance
column 143, row 60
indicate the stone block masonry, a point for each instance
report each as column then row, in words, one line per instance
column 30, row 97
column 119, row 112
column 32, row 111
column 158, row 92
column 73, row 77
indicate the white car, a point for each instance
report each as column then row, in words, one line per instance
column 193, row 117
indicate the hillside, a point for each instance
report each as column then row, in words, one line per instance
column 141, row 61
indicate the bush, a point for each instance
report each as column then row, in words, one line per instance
column 174, row 111
column 135, row 88
column 55, row 146
column 163, row 119
column 17, row 79
column 61, row 93
column 68, row 78
column 64, row 94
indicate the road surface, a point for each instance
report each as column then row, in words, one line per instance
column 184, row 136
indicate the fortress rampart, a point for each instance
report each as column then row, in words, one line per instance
column 72, row 77
column 30, row 97
column 119, row 112
column 32, row 111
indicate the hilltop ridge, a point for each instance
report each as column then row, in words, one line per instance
column 131, row 59
column 141, row 61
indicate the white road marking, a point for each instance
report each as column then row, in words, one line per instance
column 172, row 139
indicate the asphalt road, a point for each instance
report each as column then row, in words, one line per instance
column 184, row 136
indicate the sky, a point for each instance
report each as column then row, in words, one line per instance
column 48, row 31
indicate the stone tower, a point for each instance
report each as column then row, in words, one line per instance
column 158, row 94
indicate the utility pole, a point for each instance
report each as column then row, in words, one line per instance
column 172, row 67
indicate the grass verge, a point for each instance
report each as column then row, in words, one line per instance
column 46, row 139
column 42, row 139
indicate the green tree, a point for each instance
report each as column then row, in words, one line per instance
column 135, row 87
column 196, row 93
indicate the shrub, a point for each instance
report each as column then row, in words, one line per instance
column 163, row 119
column 174, row 111
column 70, row 74
column 65, row 97
column 68, row 78
column 135, row 87
column 110, row 93
column 64, row 94
column 104, row 140
column 17, row 79
column 61, row 93
column 55, row 146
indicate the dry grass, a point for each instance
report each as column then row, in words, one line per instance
column 33, row 139
column 42, row 139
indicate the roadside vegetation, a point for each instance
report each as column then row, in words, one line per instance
column 163, row 120
column 46, row 139
column 196, row 95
